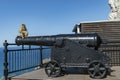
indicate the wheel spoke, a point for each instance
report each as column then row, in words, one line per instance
column 50, row 65
column 51, row 72
column 91, row 69
column 48, row 72
column 94, row 65
column 102, row 69
column 98, row 65
column 57, row 68
column 100, row 74
column 55, row 64
column 94, row 73
column 48, row 68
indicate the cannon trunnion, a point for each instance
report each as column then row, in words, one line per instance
column 72, row 50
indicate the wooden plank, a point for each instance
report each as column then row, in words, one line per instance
column 111, row 32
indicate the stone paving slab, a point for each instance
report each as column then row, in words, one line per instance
column 40, row 75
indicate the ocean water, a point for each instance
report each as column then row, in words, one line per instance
column 1, row 61
column 46, row 54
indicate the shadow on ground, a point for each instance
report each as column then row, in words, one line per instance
column 75, row 71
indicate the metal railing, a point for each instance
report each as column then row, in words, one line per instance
column 16, row 60
column 113, row 51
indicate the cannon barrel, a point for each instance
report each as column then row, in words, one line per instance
column 87, row 39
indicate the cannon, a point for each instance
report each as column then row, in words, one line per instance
column 92, row 40
column 72, row 50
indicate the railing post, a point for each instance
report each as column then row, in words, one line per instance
column 22, row 46
column 29, row 46
column 41, row 61
column 5, row 44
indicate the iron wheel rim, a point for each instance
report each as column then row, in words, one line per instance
column 97, row 70
column 53, row 69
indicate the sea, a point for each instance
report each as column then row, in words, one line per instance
column 46, row 54
column 1, row 62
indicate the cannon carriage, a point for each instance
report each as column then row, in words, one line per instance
column 72, row 50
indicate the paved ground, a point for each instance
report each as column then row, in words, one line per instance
column 40, row 75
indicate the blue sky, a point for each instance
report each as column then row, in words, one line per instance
column 47, row 17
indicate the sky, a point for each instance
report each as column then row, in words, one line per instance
column 47, row 17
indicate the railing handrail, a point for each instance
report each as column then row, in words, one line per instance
column 18, row 52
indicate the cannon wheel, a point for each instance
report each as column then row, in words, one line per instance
column 97, row 70
column 53, row 69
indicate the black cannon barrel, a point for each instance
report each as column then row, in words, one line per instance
column 88, row 39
